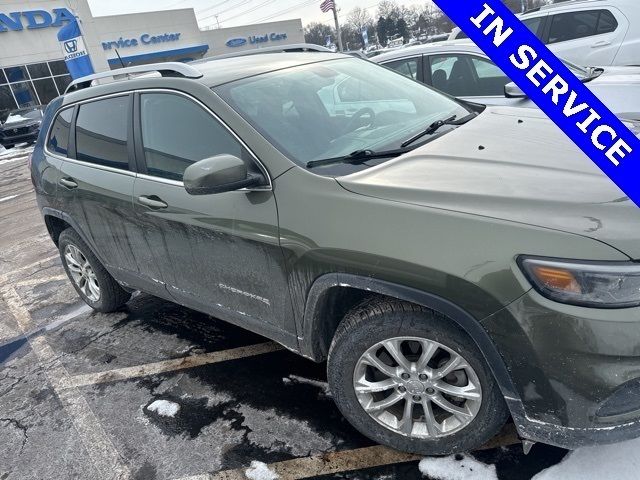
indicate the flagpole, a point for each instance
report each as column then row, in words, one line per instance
column 338, row 32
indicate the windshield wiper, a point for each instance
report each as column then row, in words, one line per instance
column 357, row 157
column 437, row 125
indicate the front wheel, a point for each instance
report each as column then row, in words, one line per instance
column 91, row 280
column 410, row 379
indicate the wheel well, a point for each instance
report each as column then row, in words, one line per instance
column 55, row 226
column 334, row 305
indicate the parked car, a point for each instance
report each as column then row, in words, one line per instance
column 589, row 32
column 20, row 126
column 462, row 70
column 454, row 264
column 586, row 32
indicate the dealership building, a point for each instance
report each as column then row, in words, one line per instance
column 32, row 67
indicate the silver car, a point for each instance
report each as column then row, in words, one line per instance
column 462, row 70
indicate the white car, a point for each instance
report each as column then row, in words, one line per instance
column 462, row 70
column 586, row 32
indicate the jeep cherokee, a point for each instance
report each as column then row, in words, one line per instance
column 453, row 264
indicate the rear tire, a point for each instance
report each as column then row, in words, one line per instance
column 94, row 284
column 415, row 422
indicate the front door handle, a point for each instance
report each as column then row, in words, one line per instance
column 68, row 183
column 152, row 201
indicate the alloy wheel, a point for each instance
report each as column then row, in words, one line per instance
column 82, row 272
column 417, row 387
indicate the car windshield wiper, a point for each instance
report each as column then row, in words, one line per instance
column 437, row 125
column 359, row 156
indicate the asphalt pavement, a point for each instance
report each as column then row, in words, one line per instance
column 157, row 391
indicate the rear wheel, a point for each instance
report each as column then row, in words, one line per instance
column 91, row 280
column 408, row 378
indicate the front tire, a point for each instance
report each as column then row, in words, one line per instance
column 409, row 378
column 91, row 280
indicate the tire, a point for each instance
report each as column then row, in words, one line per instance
column 111, row 295
column 419, row 330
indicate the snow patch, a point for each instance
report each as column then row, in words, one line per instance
column 457, row 467
column 260, row 471
column 619, row 461
column 164, row 408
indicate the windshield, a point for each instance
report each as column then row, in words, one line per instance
column 333, row 108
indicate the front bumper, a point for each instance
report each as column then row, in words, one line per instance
column 576, row 370
column 9, row 138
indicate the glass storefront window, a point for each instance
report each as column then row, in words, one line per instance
column 38, row 70
column 24, row 94
column 58, row 67
column 16, row 74
column 7, row 102
column 33, row 84
column 46, row 90
column 62, row 83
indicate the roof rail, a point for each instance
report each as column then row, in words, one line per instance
column 167, row 69
column 565, row 3
column 291, row 47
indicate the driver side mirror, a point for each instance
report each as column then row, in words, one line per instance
column 218, row 174
column 511, row 90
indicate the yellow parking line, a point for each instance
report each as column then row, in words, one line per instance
column 344, row 461
column 170, row 365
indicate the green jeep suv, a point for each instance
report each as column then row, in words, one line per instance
column 454, row 265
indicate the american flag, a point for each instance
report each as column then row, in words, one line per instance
column 327, row 5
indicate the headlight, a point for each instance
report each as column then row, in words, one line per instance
column 588, row 284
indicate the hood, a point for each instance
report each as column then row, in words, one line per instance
column 618, row 76
column 513, row 164
column 17, row 122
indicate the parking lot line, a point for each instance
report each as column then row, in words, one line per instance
column 103, row 454
column 40, row 281
column 170, row 365
column 343, row 461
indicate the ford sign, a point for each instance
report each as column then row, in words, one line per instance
column 236, row 42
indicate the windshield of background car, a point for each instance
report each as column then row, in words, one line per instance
column 330, row 109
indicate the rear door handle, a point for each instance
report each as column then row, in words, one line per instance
column 602, row 43
column 152, row 201
column 68, row 183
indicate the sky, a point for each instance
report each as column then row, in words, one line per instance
column 239, row 12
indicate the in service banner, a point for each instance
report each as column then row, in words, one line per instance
column 76, row 55
column 553, row 87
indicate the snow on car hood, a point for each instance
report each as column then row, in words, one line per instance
column 513, row 164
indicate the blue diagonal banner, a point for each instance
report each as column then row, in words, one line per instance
column 553, row 87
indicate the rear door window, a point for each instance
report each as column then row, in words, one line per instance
column 170, row 146
column 102, row 132
column 575, row 25
column 58, row 141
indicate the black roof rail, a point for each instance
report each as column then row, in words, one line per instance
column 167, row 69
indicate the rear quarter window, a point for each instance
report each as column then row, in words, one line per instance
column 58, row 141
